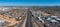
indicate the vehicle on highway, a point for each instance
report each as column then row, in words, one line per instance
column 58, row 19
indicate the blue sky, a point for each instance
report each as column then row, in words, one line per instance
column 29, row 2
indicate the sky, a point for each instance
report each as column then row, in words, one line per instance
column 29, row 2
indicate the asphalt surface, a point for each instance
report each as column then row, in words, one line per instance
column 20, row 22
column 29, row 19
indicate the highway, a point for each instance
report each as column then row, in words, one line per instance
column 21, row 22
column 29, row 20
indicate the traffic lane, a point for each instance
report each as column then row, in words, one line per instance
column 37, row 22
column 40, row 24
column 21, row 21
column 29, row 20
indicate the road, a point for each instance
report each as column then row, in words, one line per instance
column 25, row 19
column 29, row 19
column 21, row 22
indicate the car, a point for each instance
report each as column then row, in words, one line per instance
column 54, row 21
column 58, row 19
column 48, row 18
column 41, row 19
